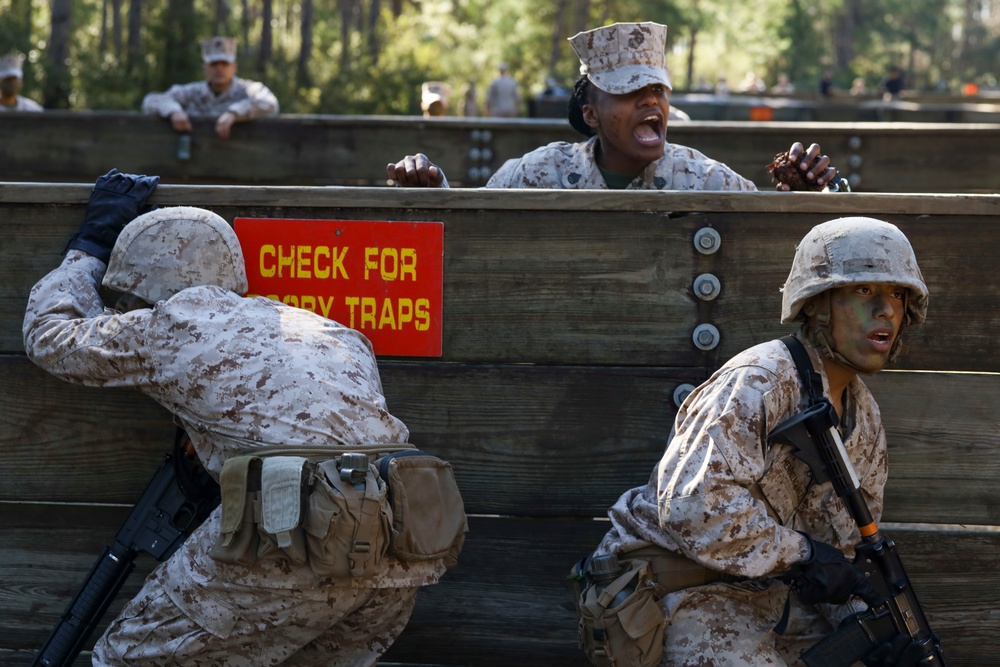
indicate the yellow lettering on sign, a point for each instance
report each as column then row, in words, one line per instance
column 351, row 302
column 423, row 315
column 267, row 266
column 286, row 260
column 391, row 263
column 303, row 261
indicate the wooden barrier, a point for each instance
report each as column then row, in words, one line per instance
column 568, row 323
column 353, row 150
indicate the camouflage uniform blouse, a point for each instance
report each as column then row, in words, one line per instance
column 238, row 373
column 698, row 500
column 23, row 104
column 246, row 99
column 574, row 166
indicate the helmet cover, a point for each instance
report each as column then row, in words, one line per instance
column 170, row 249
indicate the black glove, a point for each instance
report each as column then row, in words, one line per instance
column 827, row 576
column 900, row 652
column 116, row 200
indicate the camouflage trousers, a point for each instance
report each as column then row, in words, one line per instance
column 243, row 626
column 732, row 625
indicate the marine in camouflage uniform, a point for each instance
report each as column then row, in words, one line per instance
column 240, row 375
column 622, row 104
column 222, row 96
column 722, row 497
column 11, row 79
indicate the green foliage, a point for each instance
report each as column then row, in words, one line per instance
column 461, row 42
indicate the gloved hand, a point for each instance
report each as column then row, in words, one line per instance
column 827, row 576
column 900, row 652
column 115, row 201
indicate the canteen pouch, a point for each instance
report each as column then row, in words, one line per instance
column 262, row 508
column 629, row 634
column 428, row 515
column 347, row 529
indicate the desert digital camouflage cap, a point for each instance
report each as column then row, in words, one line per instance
column 215, row 49
column 11, row 65
column 623, row 57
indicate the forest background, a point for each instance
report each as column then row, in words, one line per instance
column 371, row 56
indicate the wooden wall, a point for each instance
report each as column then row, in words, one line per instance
column 568, row 320
column 353, row 150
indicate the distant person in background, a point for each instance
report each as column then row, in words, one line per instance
column 859, row 87
column 11, row 79
column 826, row 87
column 722, row 87
column 222, row 95
column 784, row 86
column 435, row 96
column 892, row 85
column 751, row 84
column 470, row 106
column 503, row 99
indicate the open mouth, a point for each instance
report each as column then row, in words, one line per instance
column 650, row 130
column 881, row 339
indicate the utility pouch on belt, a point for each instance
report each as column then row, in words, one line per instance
column 262, row 508
column 621, row 618
column 348, row 521
column 428, row 515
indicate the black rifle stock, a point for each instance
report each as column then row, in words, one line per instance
column 815, row 440
column 177, row 499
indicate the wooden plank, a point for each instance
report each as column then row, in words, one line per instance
column 61, row 146
column 508, row 600
column 562, row 289
column 524, row 440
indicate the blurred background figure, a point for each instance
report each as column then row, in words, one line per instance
column 826, row 87
column 470, row 106
column 11, row 79
column 751, row 84
column 722, row 87
column 784, row 86
column 222, row 95
column 892, row 85
column 503, row 99
column 859, row 87
column 434, row 98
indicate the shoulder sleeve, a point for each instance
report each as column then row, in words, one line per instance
column 506, row 175
column 258, row 103
column 68, row 332
column 164, row 104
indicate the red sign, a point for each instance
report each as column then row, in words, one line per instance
column 382, row 278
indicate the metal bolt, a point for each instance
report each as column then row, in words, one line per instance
column 486, row 136
column 682, row 392
column 485, row 172
column 707, row 287
column 474, row 154
column 473, row 174
column 854, row 180
column 707, row 241
column 475, row 135
column 854, row 161
column 486, row 154
column 705, row 337
column 854, row 143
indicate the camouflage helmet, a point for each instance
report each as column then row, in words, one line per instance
column 164, row 251
column 852, row 251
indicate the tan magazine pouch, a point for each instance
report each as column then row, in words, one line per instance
column 428, row 515
column 629, row 634
column 240, row 489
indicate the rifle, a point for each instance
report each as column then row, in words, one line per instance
column 815, row 440
column 178, row 498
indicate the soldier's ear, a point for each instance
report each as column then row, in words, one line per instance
column 590, row 116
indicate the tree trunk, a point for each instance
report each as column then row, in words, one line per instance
column 558, row 33
column 245, row 22
column 222, row 13
column 266, row 38
column 102, row 44
column 57, row 83
column 134, row 48
column 374, row 46
column 302, row 77
column 179, row 66
column 346, row 21
column 844, row 34
column 581, row 17
column 116, row 26
column 690, row 59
